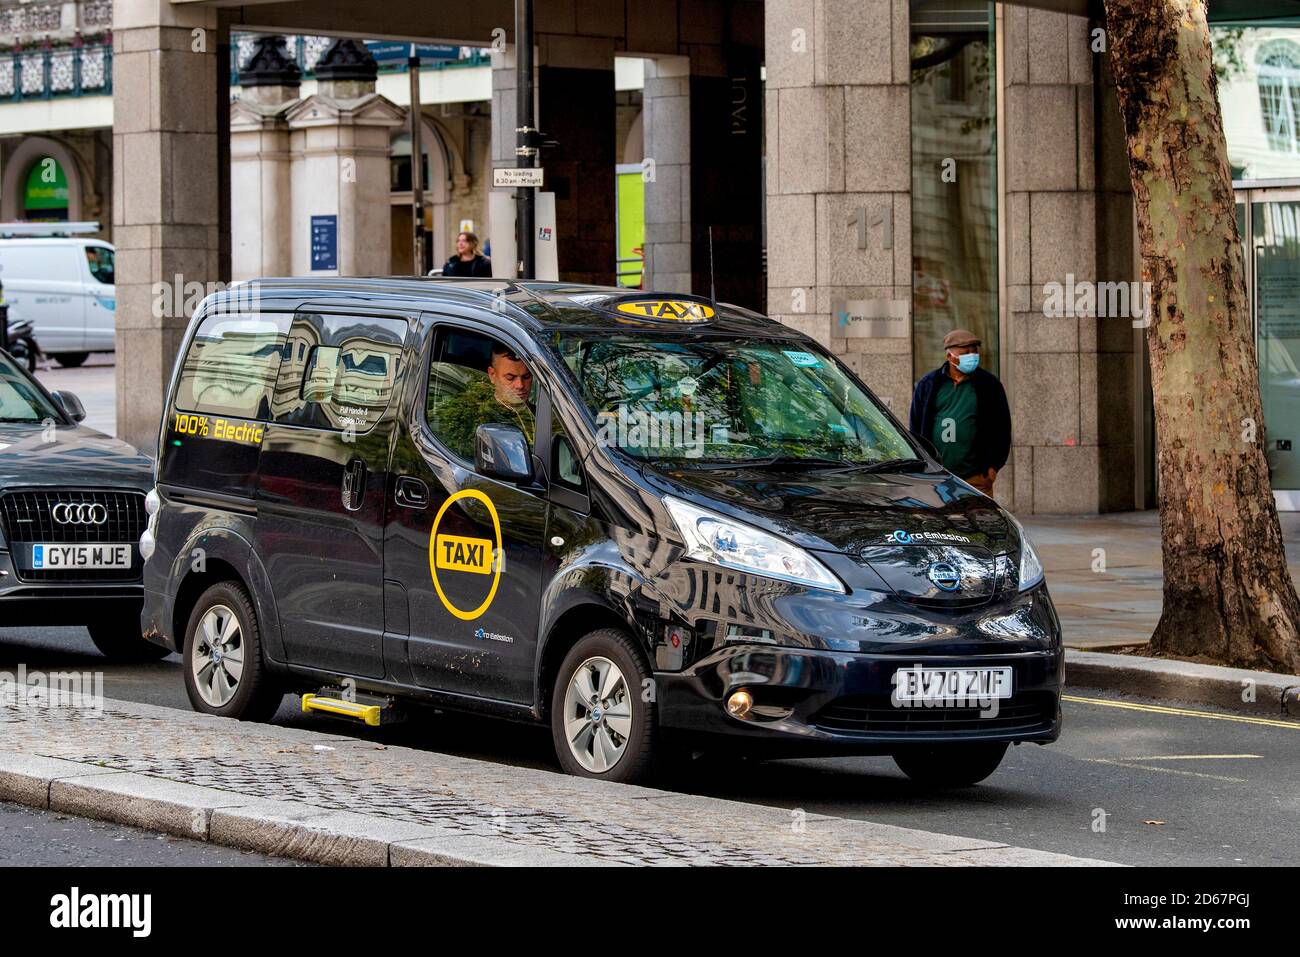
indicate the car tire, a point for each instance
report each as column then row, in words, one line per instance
column 952, row 765
column 613, row 738
column 70, row 360
column 225, row 673
column 120, row 639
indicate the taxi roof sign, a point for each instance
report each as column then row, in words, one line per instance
column 673, row 310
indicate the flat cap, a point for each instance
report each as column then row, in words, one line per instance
column 960, row 337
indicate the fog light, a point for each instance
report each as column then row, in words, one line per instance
column 739, row 703
column 146, row 545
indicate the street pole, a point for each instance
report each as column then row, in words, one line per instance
column 525, row 138
column 417, row 167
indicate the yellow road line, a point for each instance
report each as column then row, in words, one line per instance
column 1183, row 712
column 1191, row 757
column 1152, row 767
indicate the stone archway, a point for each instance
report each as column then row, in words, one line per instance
column 29, row 151
column 435, row 144
column 443, row 162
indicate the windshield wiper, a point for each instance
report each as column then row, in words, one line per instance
column 775, row 461
column 788, row 461
column 889, row 465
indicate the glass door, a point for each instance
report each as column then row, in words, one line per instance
column 1273, row 278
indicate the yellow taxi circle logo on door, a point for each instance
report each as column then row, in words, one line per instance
column 677, row 310
column 458, row 553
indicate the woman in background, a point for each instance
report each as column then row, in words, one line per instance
column 469, row 259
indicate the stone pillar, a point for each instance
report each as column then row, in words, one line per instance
column 838, row 149
column 260, row 186
column 167, row 79
column 339, row 156
column 1051, row 238
column 576, row 108
column 502, row 150
column 666, row 125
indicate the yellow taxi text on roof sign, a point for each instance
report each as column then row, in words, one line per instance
column 678, row 310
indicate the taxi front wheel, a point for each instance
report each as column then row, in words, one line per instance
column 224, row 671
column 951, row 765
column 602, row 719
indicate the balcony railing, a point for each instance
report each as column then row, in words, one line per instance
column 391, row 56
column 43, row 74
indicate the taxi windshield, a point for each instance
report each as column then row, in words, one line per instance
column 701, row 401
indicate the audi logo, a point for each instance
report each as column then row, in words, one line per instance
column 79, row 513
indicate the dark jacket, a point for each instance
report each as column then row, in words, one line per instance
column 992, row 417
column 479, row 267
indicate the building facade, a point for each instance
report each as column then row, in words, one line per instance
column 56, row 108
column 872, row 172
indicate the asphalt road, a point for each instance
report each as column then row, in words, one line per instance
column 1173, row 784
column 32, row 838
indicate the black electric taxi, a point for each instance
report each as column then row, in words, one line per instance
column 656, row 523
column 72, row 509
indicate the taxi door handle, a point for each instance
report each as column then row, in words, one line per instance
column 411, row 492
column 354, row 484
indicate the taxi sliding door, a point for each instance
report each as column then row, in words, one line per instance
column 323, row 484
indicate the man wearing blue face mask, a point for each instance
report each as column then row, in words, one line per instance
column 962, row 411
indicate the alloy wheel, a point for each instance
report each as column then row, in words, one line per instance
column 218, row 660
column 597, row 714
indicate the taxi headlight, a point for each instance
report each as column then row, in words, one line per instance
column 152, row 502
column 146, row 544
column 714, row 538
column 1031, row 566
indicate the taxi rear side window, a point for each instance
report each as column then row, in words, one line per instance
column 232, row 366
column 338, row 372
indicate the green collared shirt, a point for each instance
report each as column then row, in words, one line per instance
column 953, row 434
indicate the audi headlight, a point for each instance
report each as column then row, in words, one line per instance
column 1031, row 567
column 711, row 537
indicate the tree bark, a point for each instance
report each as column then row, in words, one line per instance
column 1227, row 592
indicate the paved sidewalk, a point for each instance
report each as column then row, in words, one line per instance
column 341, row 800
column 1119, row 605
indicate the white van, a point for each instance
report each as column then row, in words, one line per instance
column 65, row 287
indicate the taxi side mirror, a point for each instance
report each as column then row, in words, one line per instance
column 501, row 451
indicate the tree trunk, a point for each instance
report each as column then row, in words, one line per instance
column 1227, row 592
